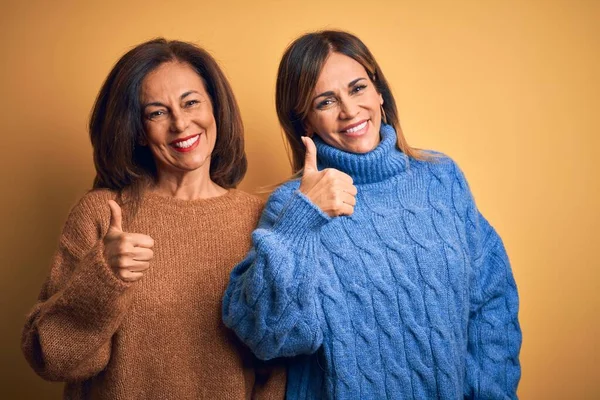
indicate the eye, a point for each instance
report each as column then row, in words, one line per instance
column 325, row 103
column 191, row 103
column 156, row 114
column 359, row 88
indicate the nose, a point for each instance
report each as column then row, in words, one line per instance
column 348, row 108
column 179, row 121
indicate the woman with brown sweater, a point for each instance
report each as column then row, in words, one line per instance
column 131, row 307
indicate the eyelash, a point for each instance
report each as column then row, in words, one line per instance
column 324, row 104
column 156, row 114
column 327, row 102
column 160, row 113
column 359, row 88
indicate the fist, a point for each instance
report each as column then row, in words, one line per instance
column 331, row 190
column 127, row 254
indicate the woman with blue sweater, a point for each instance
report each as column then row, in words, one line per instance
column 373, row 271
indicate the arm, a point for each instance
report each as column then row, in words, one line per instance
column 494, row 335
column 271, row 302
column 67, row 336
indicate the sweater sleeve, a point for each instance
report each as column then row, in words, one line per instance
column 271, row 301
column 67, row 336
column 494, row 334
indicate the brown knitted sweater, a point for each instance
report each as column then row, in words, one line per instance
column 158, row 338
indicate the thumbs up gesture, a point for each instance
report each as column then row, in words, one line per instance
column 128, row 254
column 331, row 190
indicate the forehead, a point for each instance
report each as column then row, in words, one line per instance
column 339, row 70
column 171, row 78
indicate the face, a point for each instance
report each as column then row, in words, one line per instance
column 346, row 107
column 178, row 119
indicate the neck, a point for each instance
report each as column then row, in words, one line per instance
column 191, row 185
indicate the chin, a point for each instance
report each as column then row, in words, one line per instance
column 364, row 147
column 363, row 150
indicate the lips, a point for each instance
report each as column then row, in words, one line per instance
column 185, row 144
column 356, row 129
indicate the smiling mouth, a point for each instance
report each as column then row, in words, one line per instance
column 356, row 129
column 185, row 144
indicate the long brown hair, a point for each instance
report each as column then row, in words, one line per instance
column 116, row 127
column 297, row 77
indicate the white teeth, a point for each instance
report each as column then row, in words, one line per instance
column 187, row 143
column 357, row 128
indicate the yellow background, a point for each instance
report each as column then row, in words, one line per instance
column 509, row 89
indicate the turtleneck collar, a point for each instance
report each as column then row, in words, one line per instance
column 379, row 164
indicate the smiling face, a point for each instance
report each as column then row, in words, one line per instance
column 346, row 108
column 180, row 127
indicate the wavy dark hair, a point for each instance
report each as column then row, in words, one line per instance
column 116, row 125
column 297, row 77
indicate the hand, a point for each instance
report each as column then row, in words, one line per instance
column 331, row 190
column 127, row 254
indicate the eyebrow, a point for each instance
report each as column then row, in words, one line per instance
column 159, row 104
column 330, row 93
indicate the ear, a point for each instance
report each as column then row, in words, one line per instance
column 308, row 129
column 380, row 99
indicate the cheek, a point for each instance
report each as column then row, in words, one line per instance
column 323, row 122
column 205, row 120
column 155, row 131
column 208, row 120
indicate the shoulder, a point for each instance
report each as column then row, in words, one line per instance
column 90, row 202
column 88, row 219
column 278, row 200
column 282, row 194
column 440, row 165
column 435, row 161
column 444, row 176
column 93, row 204
column 247, row 200
column 285, row 190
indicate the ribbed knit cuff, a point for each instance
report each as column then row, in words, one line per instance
column 300, row 221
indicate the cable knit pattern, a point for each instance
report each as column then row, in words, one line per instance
column 411, row 297
column 161, row 337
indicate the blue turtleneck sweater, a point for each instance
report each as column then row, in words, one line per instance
column 410, row 297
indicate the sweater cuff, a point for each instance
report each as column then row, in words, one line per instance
column 300, row 220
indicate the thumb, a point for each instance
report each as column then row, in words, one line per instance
column 310, row 157
column 116, row 219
